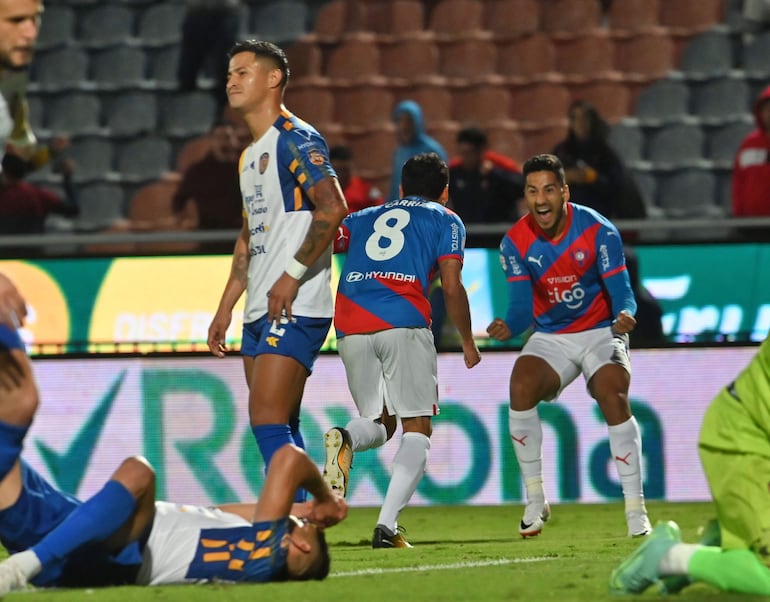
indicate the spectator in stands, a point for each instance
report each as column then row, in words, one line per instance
column 756, row 15
column 412, row 140
column 359, row 193
column 649, row 313
column 24, row 206
column 209, row 194
column 209, row 30
column 751, row 170
column 484, row 186
column 595, row 174
column 19, row 27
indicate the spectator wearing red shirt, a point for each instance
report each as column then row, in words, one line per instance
column 751, row 170
column 359, row 193
column 24, row 206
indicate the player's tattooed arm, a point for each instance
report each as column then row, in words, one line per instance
column 330, row 210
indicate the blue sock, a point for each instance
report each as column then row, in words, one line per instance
column 272, row 437
column 9, row 338
column 301, row 494
column 295, row 432
column 11, row 442
column 95, row 520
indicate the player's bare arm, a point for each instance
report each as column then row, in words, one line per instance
column 499, row 330
column 458, row 308
column 236, row 284
column 624, row 323
column 13, row 309
column 330, row 210
column 289, row 469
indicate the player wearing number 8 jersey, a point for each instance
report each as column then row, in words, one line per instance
column 382, row 318
column 566, row 272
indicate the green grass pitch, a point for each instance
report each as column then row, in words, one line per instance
column 460, row 553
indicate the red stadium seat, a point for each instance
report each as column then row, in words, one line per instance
column 305, row 60
column 373, row 151
column 363, row 108
column 634, row 15
column 314, row 104
column 354, row 60
column 397, row 18
column 481, row 104
column 529, row 58
column 509, row 19
column 540, row 103
column 457, row 18
column 542, row 139
column 471, row 59
column 645, row 56
column 690, row 16
column 569, row 16
column 506, row 137
column 410, row 59
column 336, row 18
column 587, row 56
column 611, row 98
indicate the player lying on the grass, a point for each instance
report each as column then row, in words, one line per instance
column 734, row 447
column 121, row 535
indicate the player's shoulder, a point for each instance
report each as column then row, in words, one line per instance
column 293, row 128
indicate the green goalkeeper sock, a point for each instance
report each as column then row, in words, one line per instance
column 730, row 570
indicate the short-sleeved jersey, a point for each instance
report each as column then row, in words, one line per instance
column 566, row 275
column 241, row 553
column 393, row 252
column 194, row 544
column 276, row 173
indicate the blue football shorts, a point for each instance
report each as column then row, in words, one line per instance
column 300, row 338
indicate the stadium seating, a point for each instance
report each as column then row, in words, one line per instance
column 656, row 69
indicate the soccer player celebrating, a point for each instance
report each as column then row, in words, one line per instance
column 121, row 535
column 566, row 273
column 292, row 207
column 734, row 448
column 382, row 318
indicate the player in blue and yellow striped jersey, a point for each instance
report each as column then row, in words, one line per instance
column 292, row 206
column 121, row 535
column 567, row 277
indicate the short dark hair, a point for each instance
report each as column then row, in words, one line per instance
column 545, row 163
column 340, row 152
column 472, row 135
column 425, row 175
column 319, row 570
column 267, row 50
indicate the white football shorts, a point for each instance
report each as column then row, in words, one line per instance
column 395, row 367
column 572, row 353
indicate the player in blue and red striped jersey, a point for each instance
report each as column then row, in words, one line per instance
column 567, row 278
column 383, row 318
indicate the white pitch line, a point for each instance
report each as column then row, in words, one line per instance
column 442, row 567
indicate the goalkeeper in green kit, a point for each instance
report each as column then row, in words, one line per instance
column 734, row 447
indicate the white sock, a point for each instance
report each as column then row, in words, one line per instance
column 677, row 559
column 626, row 449
column 28, row 562
column 408, row 469
column 366, row 434
column 527, row 438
